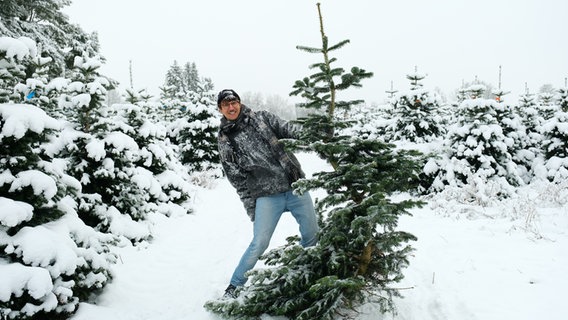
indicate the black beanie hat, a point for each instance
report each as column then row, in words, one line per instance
column 227, row 94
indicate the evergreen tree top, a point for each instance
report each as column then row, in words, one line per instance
column 416, row 76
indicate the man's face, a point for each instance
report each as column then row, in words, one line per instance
column 230, row 109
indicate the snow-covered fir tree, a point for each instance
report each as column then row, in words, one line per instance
column 79, row 176
column 527, row 108
column 157, row 170
column 50, row 259
column 515, row 137
column 554, row 132
column 532, row 118
column 477, row 154
column 476, row 91
column 415, row 113
column 188, row 103
column 360, row 252
column 195, row 132
column 515, row 134
column 170, row 108
column 562, row 99
column 183, row 82
column 499, row 94
column 546, row 103
column 102, row 157
column 133, row 96
column 546, row 98
column 461, row 94
column 182, row 89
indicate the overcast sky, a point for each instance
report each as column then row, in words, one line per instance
column 250, row 45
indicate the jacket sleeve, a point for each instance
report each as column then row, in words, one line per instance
column 238, row 180
column 282, row 128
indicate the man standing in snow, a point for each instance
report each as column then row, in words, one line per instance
column 262, row 172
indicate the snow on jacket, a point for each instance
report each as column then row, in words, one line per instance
column 253, row 159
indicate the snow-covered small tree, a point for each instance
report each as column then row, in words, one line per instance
column 477, row 156
column 196, row 135
column 515, row 134
column 171, row 108
column 562, row 99
column 191, row 77
column 515, row 137
column 189, row 107
column 101, row 157
column 546, row 98
column 49, row 259
column 157, row 170
column 555, row 143
column 137, row 96
column 461, row 94
column 546, row 105
column 528, row 109
column 86, row 93
column 182, row 82
column 476, row 91
column 360, row 252
column 182, row 89
column 415, row 113
column 499, row 94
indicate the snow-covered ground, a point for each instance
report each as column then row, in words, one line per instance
column 469, row 263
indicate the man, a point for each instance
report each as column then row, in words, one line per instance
column 262, row 172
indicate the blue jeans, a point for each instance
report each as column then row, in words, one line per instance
column 268, row 211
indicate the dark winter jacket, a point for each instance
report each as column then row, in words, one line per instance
column 254, row 160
